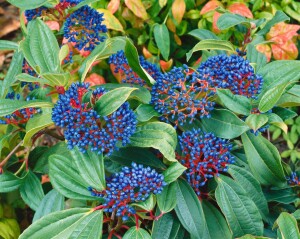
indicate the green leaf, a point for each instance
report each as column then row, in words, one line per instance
column 254, row 191
column 28, row 78
column 189, row 210
column 52, row 202
column 75, row 223
column 15, row 68
column 283, row 113
column 162, row 39
column 236, row 103
column 90, row 166
column 157, row 135
column 173, row 172
column 228, row 20
column 133, row 61
column 112, row 100
column 8, row 45
column 125, row 156
column 167, row 227
column 9, row 182
column 102, row 51
column 202, row 34
column 215, row 221
column 270, row 97
column 211, row 44
column 255, row 121
column 9, row 228
column 66, row 178
column 147, row 205
column 31, row 191
column 29, row 4
column 224, row 124
column 63, row 52
column 240, row 211
column 145, row 112
column 8, row 106
column 285, row 196
column 279, row 73
column 167, row 199
column 136, row 233
column 256, row 57
column 279, row 17
column 57, row 79
column 35, row 124
column 264, row 160
column 287, row 226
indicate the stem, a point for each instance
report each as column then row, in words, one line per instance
column 136, row 221
column 4, row 161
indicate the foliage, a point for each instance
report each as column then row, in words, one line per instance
column 98, row 141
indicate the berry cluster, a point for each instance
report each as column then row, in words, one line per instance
column 179, row 96
column 231, row 72
column 26, row 68
column 19, row 116
column 34, row 13
column 84, row 27
column 293, row 179
column 131, row 185
column 120, row 66
column 204, row 155
column 85, row 128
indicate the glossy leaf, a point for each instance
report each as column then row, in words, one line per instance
column 145, row 112
column 264, row 160
column 174, row 171
column 178, row 10
column 52, row 202
column 30, row 4
column 157, row 135
column 137, row 7
column 256, row 121
column 228, row 20
column 9, row 182
column 256, row 57
column 77, row 223
column 110, row 21
column 279, row 17
column 162, row 39
column 202, row 34
column 148, row 204
column 57, row 79
column 211, row 44
column 136, row 233
column 210, row 6
column 31, row 191
column 111, row 101
column 224, row 124
column 167, row 199
column 241, row 9
column 8, row 45
column 189, row 210
column 240, row 211
column 287, row 226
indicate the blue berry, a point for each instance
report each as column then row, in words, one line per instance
column 84, row 128
column 293, row 179
column 26, row 68
column 231, row 72
column 131, row 185
column 120, row 66
column 180, row 96
column 34, row 13
column 84, row 27
column 204, row 155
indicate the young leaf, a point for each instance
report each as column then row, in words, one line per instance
column 145, row 112
column 173, row 172
column 228, row 20
column 157, row 135
column 137, row 7
column 224, row 124
column 287, row 226
column 31, row 191
column 240, row 211
column 264, row 160
column 189, row 210
column 167, row 199
column 110, row 21
column 162, row 39
column 255, row 121
column 211, row 44
column 74, row 223
column 256, row 57
column 137, row 233
column 8, row 45
column 148, row 204
column 52, row 202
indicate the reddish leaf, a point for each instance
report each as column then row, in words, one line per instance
column 166, row 65
column 265, row 49
column 137, row 7
column 286, row 51
column 147, row 54
column 171, row 25
column 53, row 25
column 113, row 6
column 210, row 6
column 177, row 39
column 215, row 19
column 178, row 10
column 282, row 32
column 241, row 9
column 95, row 79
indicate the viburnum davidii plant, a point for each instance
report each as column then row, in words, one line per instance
column 99, row 138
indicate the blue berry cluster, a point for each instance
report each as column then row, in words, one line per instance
column 131, row 185
column 19, row 116
column 231, row 72
column 26, row 68
column 120, row 66
column 293, row 179
column 204, row 155
column 179, row 96
column 84, row 127
column 34, row 13
column 84, row 27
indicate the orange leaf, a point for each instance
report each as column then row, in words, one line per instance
column 177, row 39
column 111, row 21
column 113, row 6
column 241, row 9
column 286, row 51
column 282, row 32
column 137, row 7
column 215, row 19
column 265, row 49
column 178, row 10
column 95, row 79
column 166, row 65
column 171, row 25
column 147, row 54
column 53, row 25
column 210, row 6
